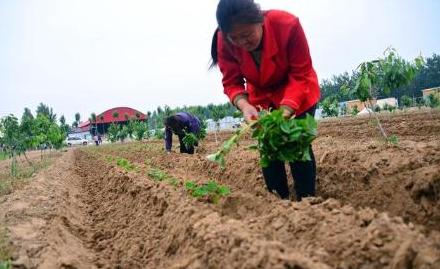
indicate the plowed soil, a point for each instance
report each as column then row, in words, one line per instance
column 377, row 206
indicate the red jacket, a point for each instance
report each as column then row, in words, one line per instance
column 286, row 75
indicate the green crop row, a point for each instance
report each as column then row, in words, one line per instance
column 210, row 191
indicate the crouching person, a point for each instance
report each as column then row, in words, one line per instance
column 181, row 123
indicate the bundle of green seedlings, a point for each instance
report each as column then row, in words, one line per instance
column 190, row 140
column 277, row 138
column 210, row 191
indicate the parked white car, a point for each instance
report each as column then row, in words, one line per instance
column 72, row 141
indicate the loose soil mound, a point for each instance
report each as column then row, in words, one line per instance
column 354, row 165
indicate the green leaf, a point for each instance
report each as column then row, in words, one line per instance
column 393, row 139
column 253, row 147
column 199, row 192
column 277, row 138
column 5, row 265
column 264, row 162
column 223, row 190
column 211, row 186
column 190, row 185
column 285, row 127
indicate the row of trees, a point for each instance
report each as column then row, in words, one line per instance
column 156, row 117
column 331, row 106
column 390, row 76
column 134, row 129
column 378, row 78
column 427, row 77
column 31, row 132
column 211, row 111
column 43, row 129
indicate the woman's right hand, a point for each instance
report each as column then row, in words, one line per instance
column 250, row 113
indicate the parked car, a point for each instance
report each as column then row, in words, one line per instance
column 71, row 141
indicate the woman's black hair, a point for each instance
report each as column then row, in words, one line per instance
column 230, row 13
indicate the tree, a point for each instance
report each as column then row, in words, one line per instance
column 332, row 87
column 140, row 130
column 159, row 110
column 130, row 128
column 47, row 111
column 55, row 136
column 433, row 101
column 12, row 140
column 27, row 130
column 167, row 111
column 405, row 101
column 427, row 77
column 123, row 133
column 64, row 127
column 381, row 76
column 354, row 111
column 101, row 119
column 217, row 114
column 152, row 120
column 112, row 132
column 27, row 114
column 93, row 122
column 115, row 115
column 77, row 119
column 41, row 131
column 330, row 106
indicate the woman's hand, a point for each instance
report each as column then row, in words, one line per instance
column 250, row 113
column 288, row 112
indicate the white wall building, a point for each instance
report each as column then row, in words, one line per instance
column 227, row 123
column 390, row 101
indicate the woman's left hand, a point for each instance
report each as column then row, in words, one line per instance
column 288, row 113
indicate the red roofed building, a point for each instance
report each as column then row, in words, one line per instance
column 118, row 115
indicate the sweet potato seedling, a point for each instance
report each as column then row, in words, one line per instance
column 157, row 174
column 277, row 138
column 173, row 181
column 280, row 139
column 190, row 140
column 219, row 156
column 125, row 164
column 211, row 191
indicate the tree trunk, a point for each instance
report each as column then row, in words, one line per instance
column 27, row 160
column 14, row 166
column 372, row 113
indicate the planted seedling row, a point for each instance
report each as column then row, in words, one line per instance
column 210, row 191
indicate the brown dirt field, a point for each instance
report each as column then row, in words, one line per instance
column 378, row 206
column 354, row 165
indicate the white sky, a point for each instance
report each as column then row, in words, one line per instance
column 91, row 55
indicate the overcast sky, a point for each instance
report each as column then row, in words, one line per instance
column 88, row 56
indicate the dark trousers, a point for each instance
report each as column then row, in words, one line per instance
column 304, row 173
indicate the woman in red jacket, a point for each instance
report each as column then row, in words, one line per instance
column 265, row 61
